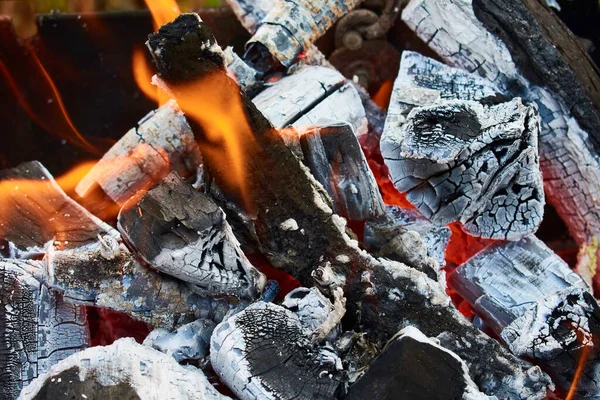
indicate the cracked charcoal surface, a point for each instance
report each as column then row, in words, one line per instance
column 265, row 353
column 123, row 370
column 460, row 160
column 183, row 233
column 189, row 342
column 542, row 309
column 336, row 160
column 414, row 367
column 37, row 328
column 163, row 142
column 569, row 162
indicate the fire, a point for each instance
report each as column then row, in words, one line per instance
column 142, row 73
column 383, row 95
column 163, row 11
column 583, row 358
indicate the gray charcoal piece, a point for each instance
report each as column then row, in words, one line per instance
column 540, row 308
column 189, row 342
column 468, row 162
column 162, row 142
column 379, row 232
column 184, row 233
column 290, row 27
column 123, row 370
column 246, row 76
column 335, row 158
column 264, row 352
column 413, row 366
column 37, row 328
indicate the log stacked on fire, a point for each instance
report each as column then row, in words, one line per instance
column 214, row 176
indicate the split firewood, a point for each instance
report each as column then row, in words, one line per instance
column 189, row 342
column 37, row 328
column 524, row 50
column 264, row 352
column 461, row 160
column 289, row 28
column 413, row 366
column 309, row 95
column 163, row 142
column 540, row 308
column 336, row 160
column 123, row 370
column 405, row 235
column 282, row 189
column 246, row 76
column 35, row 211
column 183, row 233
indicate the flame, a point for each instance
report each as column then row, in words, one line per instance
column 383, row 95
column 583, row 358
column 71, row 178
column 163, row 11
column 142, row 73
column 53, row 117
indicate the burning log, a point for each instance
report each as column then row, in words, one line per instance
column 413, row 366
column 37, row 328
column 478, row 164
column 312, row 94
column 163, row 142
column 541, row 309
column 521, row 57
column 189, row 342
column 123, row 370
column 289, row 28
column 406, row 236
column 265, row 352
column 183, row 233
column 334, row 156
column 35, row 211
column 279, row 189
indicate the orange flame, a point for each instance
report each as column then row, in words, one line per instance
column 55, row 118
column 583, row 358
column 142, row 73
column 163, row 11
column 383, row 95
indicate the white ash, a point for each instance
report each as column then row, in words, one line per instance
column 188, row 342
column 289, row 225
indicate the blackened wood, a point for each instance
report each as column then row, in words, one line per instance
column 37, row 328
column 123, row 370
column 183, row 233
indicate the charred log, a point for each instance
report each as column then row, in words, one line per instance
column 183, row 233
column 541, row 309
column 123, row 370
column 477, row 164
column 163, row 142
column 37, row 328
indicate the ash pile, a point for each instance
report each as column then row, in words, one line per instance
column 265, row 158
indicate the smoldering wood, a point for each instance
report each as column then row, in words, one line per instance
column 37, row 328
column 414, row 367
column 478, row 164
column 189, row 342
column 106, row 275
column 336, row 160
column 246, row 76
column 568, row 157
column 162, row 142
column 264, row 352
column 36, row 211
column 122, row 370
column 405, row 235
column 184, row 233
column 289, row 28
column 530, row 298
column 288, row 191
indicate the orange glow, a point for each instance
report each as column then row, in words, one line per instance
column 585, row 353
column 142, row 73
column 215, row 103
column 163, row 11
column 54, row 118
column 382, row 97
column 70, row 179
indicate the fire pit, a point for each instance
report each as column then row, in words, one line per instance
column 300, row 200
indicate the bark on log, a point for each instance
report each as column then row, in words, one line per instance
column 460, row 160
column 525, row 46
column 163, row 142
column 37, row 328
column 265, row 353
column 286, row 190
column 542, row 310
column 123, row 370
